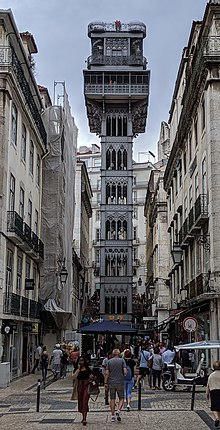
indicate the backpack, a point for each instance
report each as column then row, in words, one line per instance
column 128, row 376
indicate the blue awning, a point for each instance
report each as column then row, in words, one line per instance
column 108, row 327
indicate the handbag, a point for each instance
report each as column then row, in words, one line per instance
column 93, row 389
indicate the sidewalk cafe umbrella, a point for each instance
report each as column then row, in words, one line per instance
column 108, row 327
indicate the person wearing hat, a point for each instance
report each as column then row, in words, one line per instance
column 213, row 391
column 56, row 360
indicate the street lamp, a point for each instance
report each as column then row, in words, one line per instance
column 63, row 274
column 176, row 253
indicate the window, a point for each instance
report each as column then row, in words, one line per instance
column 98, row 197
column 19, row 274
column 38, row 170
column 192, row 261
column 203, row 115
column 135, row 196
column 190, row 146
column 97, row 255
column 196, row 185
column 180, row 173
column 134, row 180
column 12, row 194
column 196, row 131
column 185, row 208
column 135, row 233
column 35, row 282
column 190, row 197
column 14, row 124
column 184, row 162
column 135, row 213
column 97, row 218
column 204, row 177
column 9, row 271
column 36, row 222
column 27, row 271
column 31, row 158
column 97, row 234
column 23, row 142
column 97, row 162
column 21, row 203
column 29, row 217
column 98, row 184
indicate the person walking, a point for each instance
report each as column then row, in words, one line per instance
column 64, row 362
column 56, row 360
column 129, row 377
column 104, row 368
column 37, row 356
column 114, row 377
column 44, row 360
column 144, row 371
column 83, row 376
column 157, row 365
column 168, row 356
column 213, row 392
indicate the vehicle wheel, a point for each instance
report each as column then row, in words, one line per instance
column 168, row 385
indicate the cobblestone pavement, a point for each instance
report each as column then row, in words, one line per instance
column 159, row 409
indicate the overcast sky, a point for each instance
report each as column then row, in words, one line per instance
column 60, row 31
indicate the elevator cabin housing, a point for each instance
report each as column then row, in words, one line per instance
column 116, row 89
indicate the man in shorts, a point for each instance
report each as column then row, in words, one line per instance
column 114, row 377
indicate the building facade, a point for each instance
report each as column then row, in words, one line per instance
column 81, row 235
column 23, row 142
column 191, row 181
column 116, row 93
column 58, row 208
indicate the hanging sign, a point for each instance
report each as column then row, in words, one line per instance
column 190, row 324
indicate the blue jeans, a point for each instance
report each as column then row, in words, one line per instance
column 128, row 388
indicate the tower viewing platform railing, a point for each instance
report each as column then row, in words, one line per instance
column 116, row 89
column 105, row 60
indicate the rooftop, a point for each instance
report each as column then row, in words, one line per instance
column 117, row 26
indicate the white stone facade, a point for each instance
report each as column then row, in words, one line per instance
column 192, row 179
column 22, row 146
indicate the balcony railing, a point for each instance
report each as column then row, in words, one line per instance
column 116, row 89
column 198, row 286
column 9, row 59
column 14, row 304
column 201, row 208
column 105, row 60
column 15, row 223
column 27, row 238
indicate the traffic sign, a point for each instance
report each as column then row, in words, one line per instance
column 190, row 324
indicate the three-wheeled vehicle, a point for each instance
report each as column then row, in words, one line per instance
column 173, row 375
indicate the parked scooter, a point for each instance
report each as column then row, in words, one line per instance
column 174, row 376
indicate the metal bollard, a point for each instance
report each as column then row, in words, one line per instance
column 193, row 395
column 139, row 396
column 38, row 396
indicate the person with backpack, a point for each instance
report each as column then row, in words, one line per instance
column 144, row 369
column 129, row 377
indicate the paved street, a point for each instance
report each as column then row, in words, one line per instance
column 159, row 409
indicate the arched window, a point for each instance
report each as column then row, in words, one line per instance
column 125, row 126
column 119, row 126
column 108, row 126
column 108, row 159
column 113, row 126
column 124, row 160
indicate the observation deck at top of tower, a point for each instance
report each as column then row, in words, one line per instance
column 116, row 72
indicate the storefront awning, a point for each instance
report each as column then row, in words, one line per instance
column 108, row 327
column 206, row 344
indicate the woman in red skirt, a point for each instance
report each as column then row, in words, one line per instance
column 83, row 375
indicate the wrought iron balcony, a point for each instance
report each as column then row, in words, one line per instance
column 112, row 89
column 15, row 226
column 201, row 209
column 10, row 62
column 20, row 233
column 198, row 286
column 104, row 60
column 15, row 304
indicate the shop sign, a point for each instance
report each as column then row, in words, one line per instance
column 190, row 324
